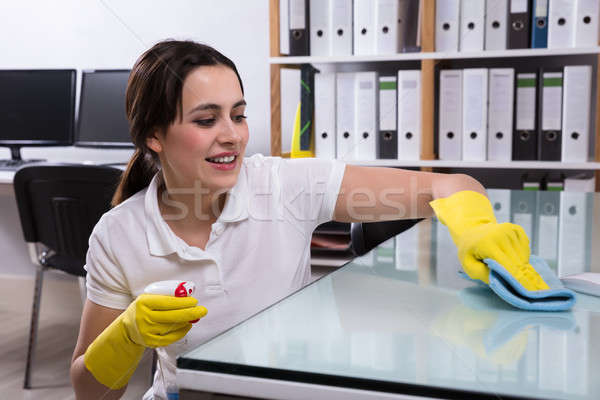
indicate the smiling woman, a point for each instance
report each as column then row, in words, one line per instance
column 190, row 207
column 205, row 143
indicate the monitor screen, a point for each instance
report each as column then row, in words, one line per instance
column 102, row 119
column 37, row 107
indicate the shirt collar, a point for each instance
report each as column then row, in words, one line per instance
column 161, row 239
column 236, row 205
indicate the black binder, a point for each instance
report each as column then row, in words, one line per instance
column 409, row 26
column 525, row 140
column 519, row 25
column 387, row 145
column 299, row 34
column 307, row 105
column 550, row 137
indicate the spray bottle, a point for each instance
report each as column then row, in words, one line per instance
column 177, row 289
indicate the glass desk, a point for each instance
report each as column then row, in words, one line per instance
column 400, row 323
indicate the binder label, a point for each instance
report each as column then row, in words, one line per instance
column 387, row 103
column 473, row 100
column 541, row 8
column 518, row 6
column 552, row 101
column 297, row 14
column 526, row 101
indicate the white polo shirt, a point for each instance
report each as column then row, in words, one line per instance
column 258, row 250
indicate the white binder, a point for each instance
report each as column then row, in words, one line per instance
column 344, row 113
column 548, row 208
column 450, row 109
column 406, row 251
column 577, row 95
column 496, row 13
column 365, row 123
column 364, row 27
column 387, row 27
column 472, row 25
column 340, row 27
column 320, row 38
column 500, row 200
column 409, row 114
column 500, row 113
column 575, row 215
column 586, row 27
column 474, row 113
column 447, row 23
column 561, row 23
column 284, row 27
column 325, row 115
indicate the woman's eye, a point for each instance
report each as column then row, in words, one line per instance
column 205, row 122
column 239, row 118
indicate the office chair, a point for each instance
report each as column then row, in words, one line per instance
column 365, row 236
column 59, row 205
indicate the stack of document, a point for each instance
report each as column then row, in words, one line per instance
column 364, row 116
column 500, row 114
column 557, row 223
column 346, row 27
column 476, row 25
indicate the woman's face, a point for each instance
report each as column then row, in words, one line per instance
column 205, row 144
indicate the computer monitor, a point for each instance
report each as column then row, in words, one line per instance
column 102, row 120
column 37, row 108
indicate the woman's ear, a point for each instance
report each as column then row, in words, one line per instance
column 153, row 143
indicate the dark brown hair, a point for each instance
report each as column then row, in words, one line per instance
column 152, row 101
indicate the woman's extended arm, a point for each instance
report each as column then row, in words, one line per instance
column 372, row 194
column 94, row 320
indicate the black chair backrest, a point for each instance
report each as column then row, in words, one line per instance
column 59, row 205
column 365, row 236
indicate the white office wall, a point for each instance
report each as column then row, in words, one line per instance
column 86, row 34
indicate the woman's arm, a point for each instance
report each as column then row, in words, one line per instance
column 94, row 320
column 372, row 194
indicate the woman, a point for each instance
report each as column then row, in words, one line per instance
column 190, row 207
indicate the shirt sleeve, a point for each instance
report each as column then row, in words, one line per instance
column 105, row 282
column 310, row 188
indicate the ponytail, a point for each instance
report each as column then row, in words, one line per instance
column 141, row 169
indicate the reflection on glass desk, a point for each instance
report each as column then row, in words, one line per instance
column 401, row 322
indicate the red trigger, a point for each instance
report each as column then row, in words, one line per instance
column 180, row 290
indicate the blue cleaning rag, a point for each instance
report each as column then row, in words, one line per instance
column 557, row 298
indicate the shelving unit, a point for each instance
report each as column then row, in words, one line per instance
column 285, row 60
column 428, row 59
column 480, row 164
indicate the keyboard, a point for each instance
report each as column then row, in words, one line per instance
column 13, row 165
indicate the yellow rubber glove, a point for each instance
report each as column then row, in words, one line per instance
column 470, row 219
column 150, row 321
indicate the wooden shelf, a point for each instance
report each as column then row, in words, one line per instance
column 428, row 58
column 479, row 164
column 435, row 56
